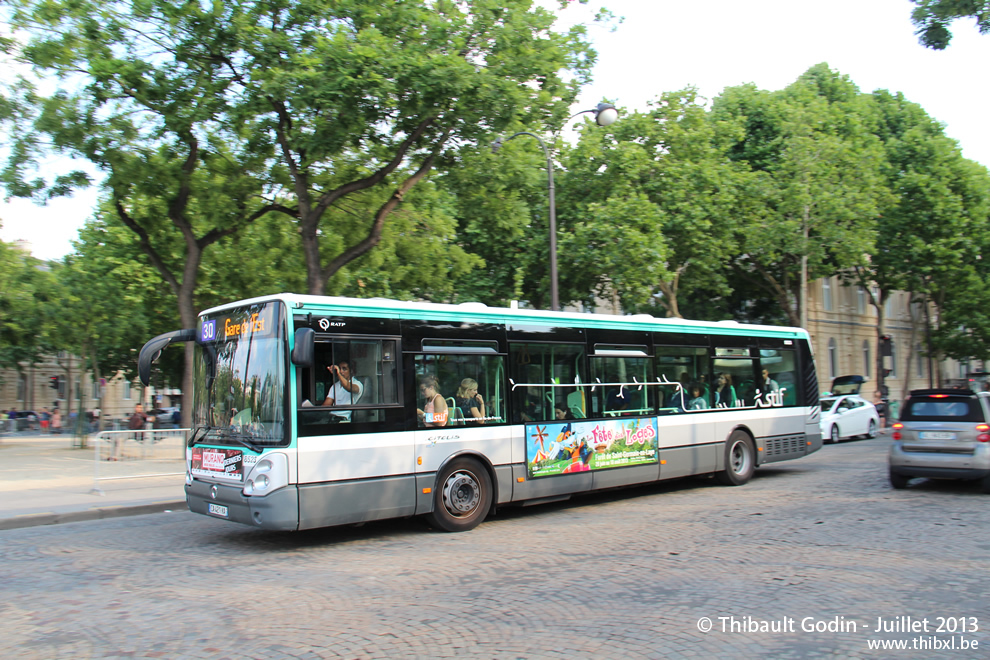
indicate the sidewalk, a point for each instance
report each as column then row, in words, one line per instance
column 44, row 480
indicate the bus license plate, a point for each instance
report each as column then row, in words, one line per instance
column 937, row 435
column 218, row 510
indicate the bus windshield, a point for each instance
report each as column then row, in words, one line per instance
column 239, row 377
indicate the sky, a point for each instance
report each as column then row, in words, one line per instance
column 666, row 45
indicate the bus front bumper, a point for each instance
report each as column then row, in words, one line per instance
column 278, row 510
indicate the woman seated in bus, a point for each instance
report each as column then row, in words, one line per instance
column 723, row 396
column 697, row 400
column 470, row 402
column 435, row 411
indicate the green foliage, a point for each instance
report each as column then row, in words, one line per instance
column 651, row 204
column 819, row 187
column 27, row 297
column 933, row 17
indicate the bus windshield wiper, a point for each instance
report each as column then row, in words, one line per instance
column 199, row 433
column 245, row 442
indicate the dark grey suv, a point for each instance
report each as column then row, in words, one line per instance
column 942, row 434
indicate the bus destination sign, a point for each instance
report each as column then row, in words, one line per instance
column 257, row 321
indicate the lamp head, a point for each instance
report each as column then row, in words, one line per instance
column 497, row 144
column 605, row 114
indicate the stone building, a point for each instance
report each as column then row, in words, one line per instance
column 843, row 327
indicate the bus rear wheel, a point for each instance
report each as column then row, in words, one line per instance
column 462, row 497
column 740, row 460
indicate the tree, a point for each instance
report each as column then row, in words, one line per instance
column 649, row 206
column 26, row 290
column 204, row 118
column 932, row 18
column 818, row 182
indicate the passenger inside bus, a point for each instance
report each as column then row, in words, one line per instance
column 697, row 401
column 435, row 411
column 618, row 399
column 533, row 409
column 470, row 402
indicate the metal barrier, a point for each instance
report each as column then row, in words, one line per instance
column 138, row 454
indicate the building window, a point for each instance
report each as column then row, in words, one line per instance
column 893, row 359
column 921, row 360
column 21, row 387
column 866, row 357
column 963, row 369
column 860, row 300
column 833, row 359
column 127, row 390
column 96, row 390
column 827, row 294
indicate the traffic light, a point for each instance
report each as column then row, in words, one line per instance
column 53, row 382
column 885, row 341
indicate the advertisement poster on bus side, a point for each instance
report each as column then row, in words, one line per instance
column 217, row 463
column 579, row 446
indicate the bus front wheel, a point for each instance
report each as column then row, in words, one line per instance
column 740, row 460
column 462, row 497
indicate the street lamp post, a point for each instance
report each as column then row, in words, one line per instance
column 605, row 115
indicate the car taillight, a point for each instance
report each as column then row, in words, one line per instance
column 983, row 429
column 897, row 426
column 896, row 435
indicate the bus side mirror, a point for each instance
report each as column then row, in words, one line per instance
column 304, row 348
column 150, row 351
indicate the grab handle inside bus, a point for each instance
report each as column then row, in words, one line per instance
column 304, row 348
column 151, row 350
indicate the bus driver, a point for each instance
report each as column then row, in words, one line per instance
column 346, row 391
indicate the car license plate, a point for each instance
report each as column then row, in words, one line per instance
column 937, row 435
column 218, row 510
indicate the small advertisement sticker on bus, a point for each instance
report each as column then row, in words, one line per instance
column 217, row 463
column 577, row 446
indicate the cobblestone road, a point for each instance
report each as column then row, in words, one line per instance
column 617, row 575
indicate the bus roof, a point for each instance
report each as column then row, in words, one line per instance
column 479, row 312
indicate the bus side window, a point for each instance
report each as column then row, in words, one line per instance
column 460, row 380
column 623, row 393
column 681, row 367
column 547, row 378
column 782, row 366
column 369, row 365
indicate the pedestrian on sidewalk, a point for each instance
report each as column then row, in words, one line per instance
column 46, row 418
column 56, row 421
column 135, row 423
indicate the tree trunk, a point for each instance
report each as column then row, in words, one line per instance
column 915, row 322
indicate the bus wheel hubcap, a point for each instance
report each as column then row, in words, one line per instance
column 739, row 459
column 461, row 493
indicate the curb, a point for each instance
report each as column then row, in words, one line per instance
column 38, row 519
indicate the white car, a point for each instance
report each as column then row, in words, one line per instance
column 848, row 416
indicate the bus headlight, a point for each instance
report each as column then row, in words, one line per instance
column 270, row 473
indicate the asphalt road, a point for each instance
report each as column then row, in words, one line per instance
column 800, row 563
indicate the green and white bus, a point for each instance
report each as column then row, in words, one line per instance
column 314, row 411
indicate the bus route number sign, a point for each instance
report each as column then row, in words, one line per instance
column 208, row 331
